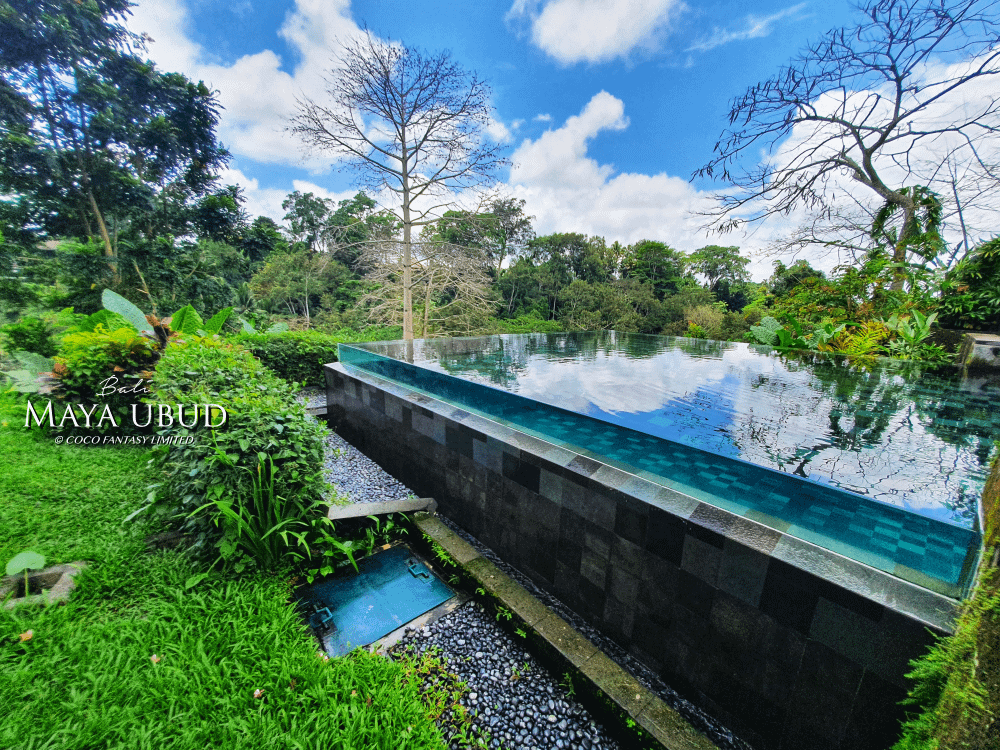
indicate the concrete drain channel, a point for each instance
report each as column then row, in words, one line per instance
column 396, row 593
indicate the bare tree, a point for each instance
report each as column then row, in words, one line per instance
column 407, row 122
column 453, row 287
column 880, row 102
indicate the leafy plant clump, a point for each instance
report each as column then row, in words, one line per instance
column 227, row 483
column 104, row 360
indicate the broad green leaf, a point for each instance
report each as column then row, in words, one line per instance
column 247, row 328
column 186, row 320
column 118, row 304
column 278, row 328
column 215, row 323
column 25, row 561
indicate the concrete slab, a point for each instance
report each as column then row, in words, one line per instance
column 361, row 510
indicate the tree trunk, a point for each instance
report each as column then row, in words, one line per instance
column 407, row 256
column 427, row 303
column 109, row 250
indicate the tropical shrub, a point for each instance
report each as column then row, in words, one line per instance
column 90, row 363
column 107, row 357
column 299, row 356
column 272, row 528
column 971, row 293
column 218, row 466
column 30, row 334
column 911, row 337
column 767, row 331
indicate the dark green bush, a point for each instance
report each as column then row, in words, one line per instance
column 971, row 294
column 30, row 334
column 265, row 427
column 529, row 324
column 300, row 355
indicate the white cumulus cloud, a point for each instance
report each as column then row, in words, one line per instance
column 594, row 31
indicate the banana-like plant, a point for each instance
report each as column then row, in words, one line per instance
column 186, row 320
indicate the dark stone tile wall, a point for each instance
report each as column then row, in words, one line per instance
column 793, row 647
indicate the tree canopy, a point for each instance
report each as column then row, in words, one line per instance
column 92, row 136
column 875, row 102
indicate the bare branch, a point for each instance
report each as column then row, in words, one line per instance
column 876, row 103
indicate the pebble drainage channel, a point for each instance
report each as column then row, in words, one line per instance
column 513, row 698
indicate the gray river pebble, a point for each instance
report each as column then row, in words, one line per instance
column 511, row 697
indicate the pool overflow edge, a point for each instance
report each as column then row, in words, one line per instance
column 788, row 644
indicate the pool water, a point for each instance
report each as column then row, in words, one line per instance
column 881, row 461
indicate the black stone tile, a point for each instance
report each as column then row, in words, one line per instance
column 376, row 400
column 705, row 534
column 900, row 639
column 511, row 496
column 701, row 559
column 742, row 572
column 618, row 621
column 542, row 562
column 626, row 556
column 592, row 600
column 788, row 596
column 494, row 485
column 523, row 473
column 571, row 526
column 544, row 513
column 581, row 467
column 631, row 517
column 850, row 600
column 566, row 583
column 761, row 716
column 823, row 666
column 738, row 632
column 458, row 439
column 649, row 638
column 712, row 518
column 876, row 716
column 694, row 594
column 530, row 457
column 569, row 551
column 598, row 539
column 846, row 632
column 659, row 591
column 783, row 647
column 623, row 586
column 821, row 703
column 665, row 535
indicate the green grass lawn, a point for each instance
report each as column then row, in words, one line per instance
column 87, row 678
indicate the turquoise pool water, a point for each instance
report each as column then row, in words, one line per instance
column 883, row 463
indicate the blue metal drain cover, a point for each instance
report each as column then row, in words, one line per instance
column 390, row 588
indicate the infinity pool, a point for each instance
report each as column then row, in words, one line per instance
column 882, row 461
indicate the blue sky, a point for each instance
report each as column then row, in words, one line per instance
column 606, row 107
